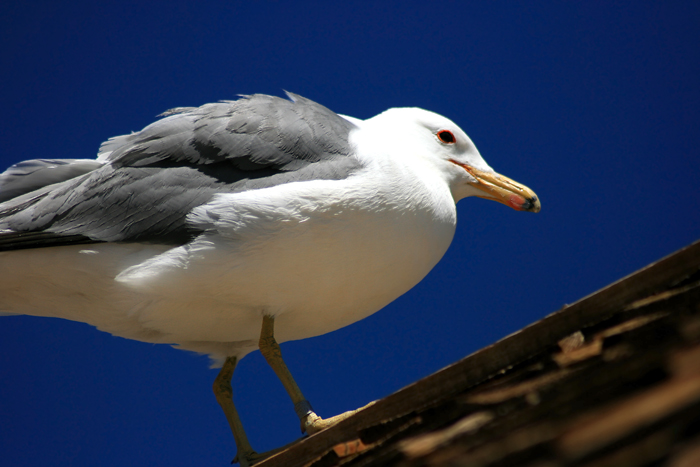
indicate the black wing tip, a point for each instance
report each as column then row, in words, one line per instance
column 12, row 241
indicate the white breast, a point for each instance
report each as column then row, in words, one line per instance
column 319, row 255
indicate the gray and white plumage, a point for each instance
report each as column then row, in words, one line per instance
column 191, row 230
column 186, row 158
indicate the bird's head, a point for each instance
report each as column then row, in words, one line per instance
column 432, row 138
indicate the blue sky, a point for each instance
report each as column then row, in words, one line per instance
column 594, row 105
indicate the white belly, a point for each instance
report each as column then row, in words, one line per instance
column 315, row 268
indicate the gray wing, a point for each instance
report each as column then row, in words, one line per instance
column 150, row 180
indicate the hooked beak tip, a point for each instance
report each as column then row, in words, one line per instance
column 519, row 203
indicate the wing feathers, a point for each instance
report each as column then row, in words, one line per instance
column 143, row 185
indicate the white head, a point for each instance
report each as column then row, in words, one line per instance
column 439, row 143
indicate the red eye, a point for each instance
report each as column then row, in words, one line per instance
column 446, row 136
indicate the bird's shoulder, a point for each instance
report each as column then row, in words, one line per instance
column 250, row 133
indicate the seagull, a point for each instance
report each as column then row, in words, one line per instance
column 239, row 225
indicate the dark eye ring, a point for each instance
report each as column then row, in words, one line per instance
column 446, row 136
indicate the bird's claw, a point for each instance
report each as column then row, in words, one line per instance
column 250, row 458
column 312, row 423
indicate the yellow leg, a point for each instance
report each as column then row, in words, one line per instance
column 270, row 349
column 224, row 396
column 310, row 422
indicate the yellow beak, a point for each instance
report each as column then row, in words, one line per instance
column 503, row 189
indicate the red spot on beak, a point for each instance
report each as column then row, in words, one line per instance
column 516, row 202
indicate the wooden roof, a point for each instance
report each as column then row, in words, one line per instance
column 612, row 380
